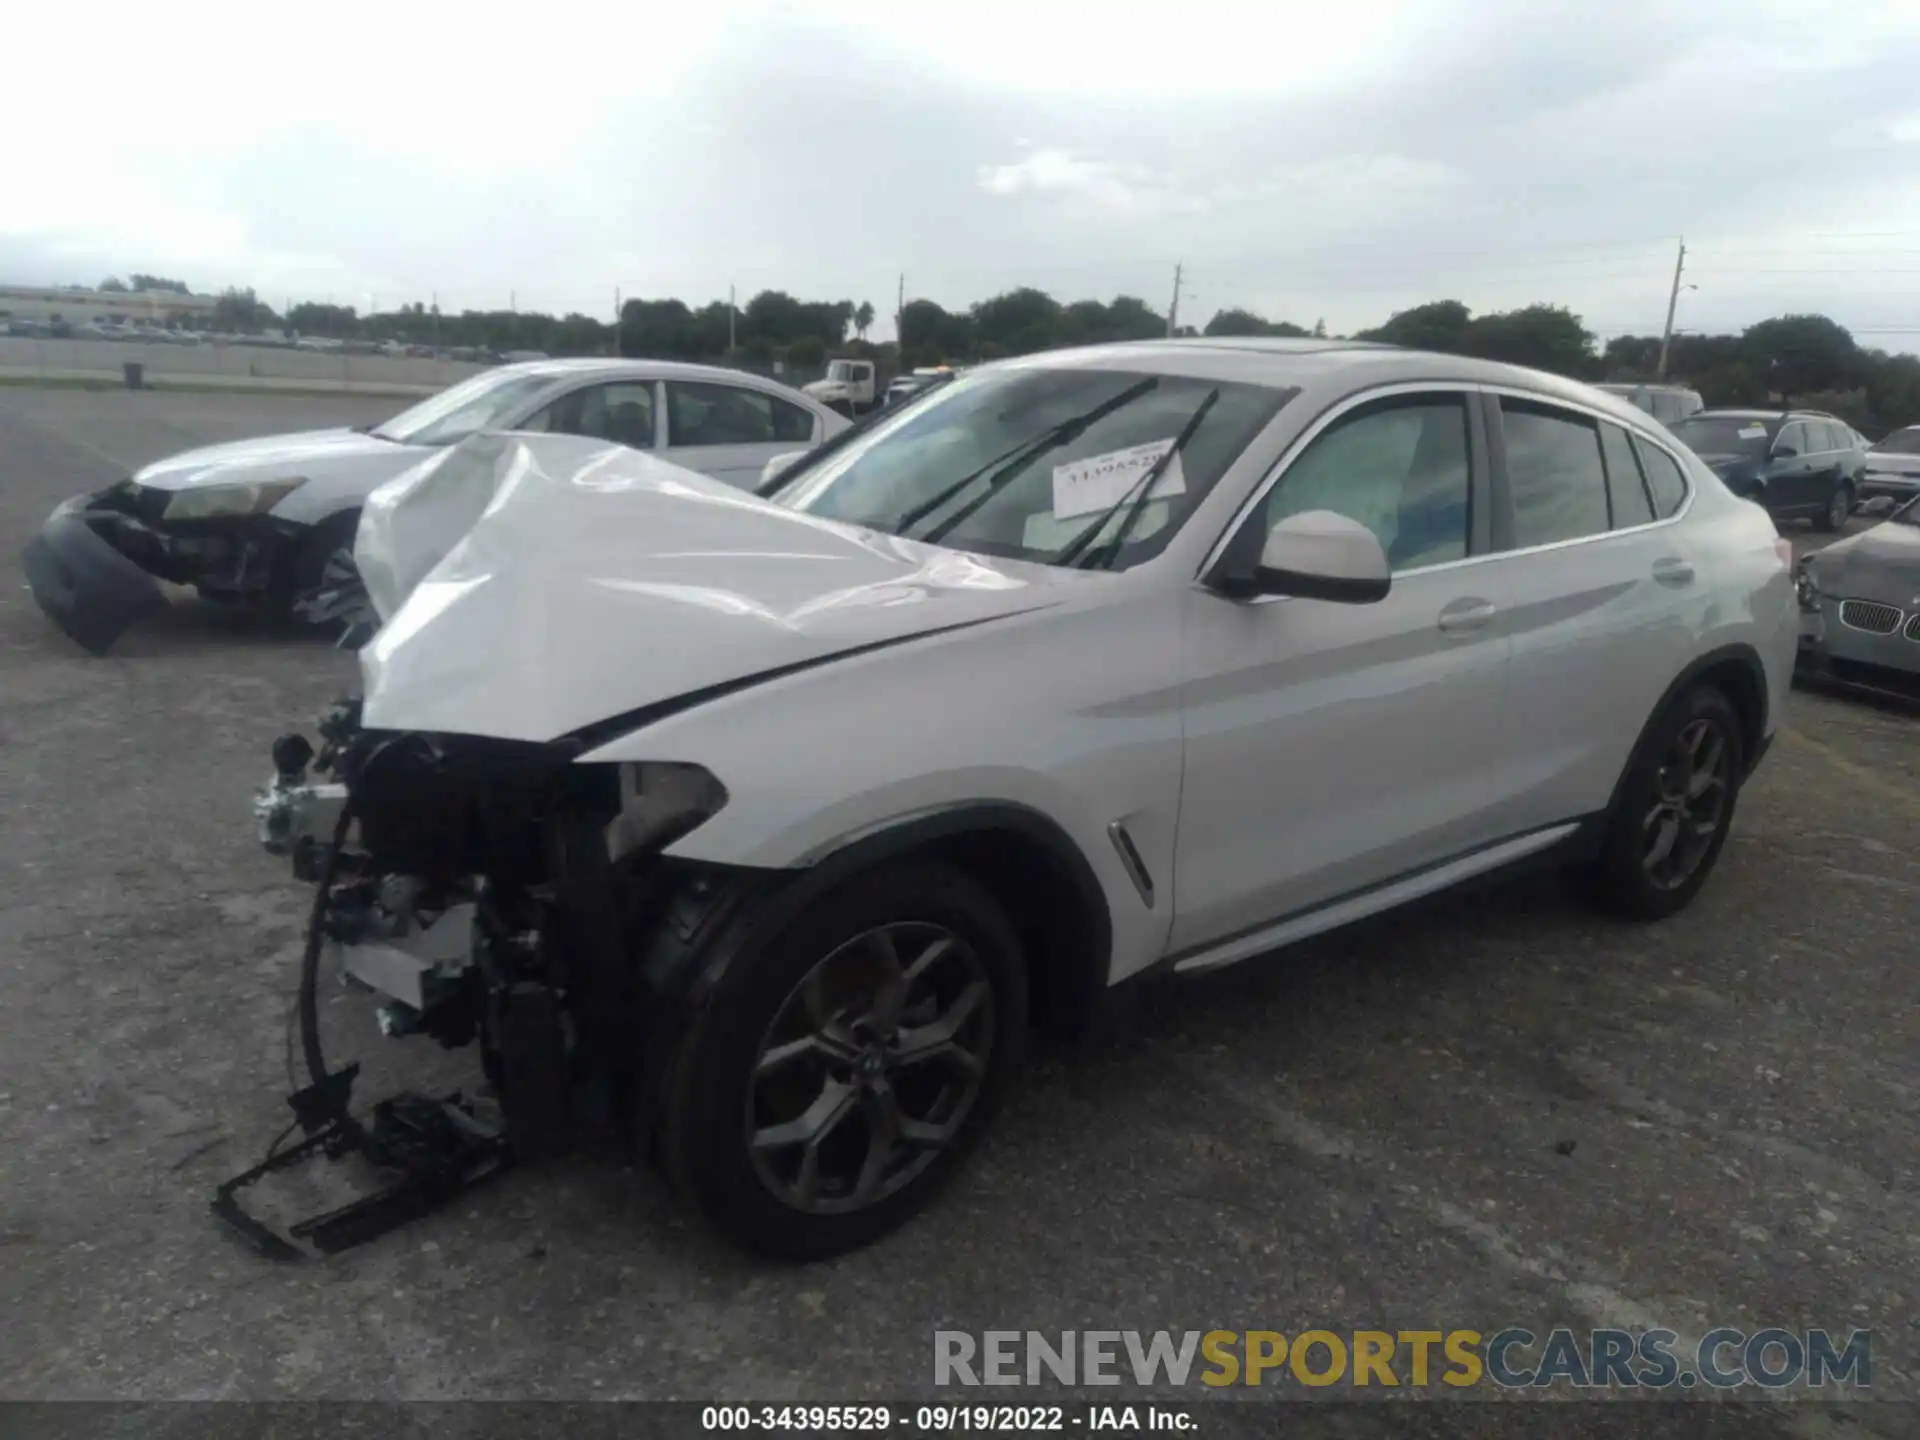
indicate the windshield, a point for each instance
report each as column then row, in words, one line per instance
column 484, row 402
column 841, row 370
column 1901, row 442
column 1723, row 434
column 1019, row 462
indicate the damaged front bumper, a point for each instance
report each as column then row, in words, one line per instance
column 1845, row 656
column 85, row 586
column 95, row 567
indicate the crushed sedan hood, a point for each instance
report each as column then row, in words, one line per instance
column 1878, row 564
column 596, row 581
column 215, row 464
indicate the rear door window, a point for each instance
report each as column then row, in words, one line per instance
column 1665, row 481
column 1626, row 487
column 703, row 414
column 1556, row 481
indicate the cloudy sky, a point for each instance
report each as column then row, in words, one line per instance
column 1335, row 161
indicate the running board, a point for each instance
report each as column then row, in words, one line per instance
column 1372, row 902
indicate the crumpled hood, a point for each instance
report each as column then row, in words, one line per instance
column 1878, row 564
column 283, row 455
column 596, row 581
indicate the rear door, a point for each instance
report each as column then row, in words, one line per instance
column 1604, row 593
column 731, row 431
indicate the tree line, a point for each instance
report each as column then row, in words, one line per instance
column 1802, row 359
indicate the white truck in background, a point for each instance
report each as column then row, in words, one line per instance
column 850, row 386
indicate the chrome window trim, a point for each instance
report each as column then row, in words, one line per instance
column 1464, row 389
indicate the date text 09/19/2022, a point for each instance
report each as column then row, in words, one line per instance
column 943, row 1419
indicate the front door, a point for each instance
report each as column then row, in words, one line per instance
column 731, row 431
column 1335, row 747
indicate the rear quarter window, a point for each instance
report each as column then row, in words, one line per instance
column 1665, row 480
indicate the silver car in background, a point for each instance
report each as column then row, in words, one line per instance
column 1860, row 608
column 1893, row 467
column 271, row 521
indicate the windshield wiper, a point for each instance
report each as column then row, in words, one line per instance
column 1136, row 497
column 1002, row 468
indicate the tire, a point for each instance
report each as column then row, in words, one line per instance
column 1839, row 510
column 1625, row 878
column 317, row 569
column 725, row 1082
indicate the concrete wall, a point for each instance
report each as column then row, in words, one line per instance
column 24, row 355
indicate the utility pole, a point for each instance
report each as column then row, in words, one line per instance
column 1673, row 299
column 1173, row 310
column 900, row 321
column 730, row 315
column 616, row 321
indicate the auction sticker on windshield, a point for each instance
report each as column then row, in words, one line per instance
column 1753, row 432
column 1099, row 482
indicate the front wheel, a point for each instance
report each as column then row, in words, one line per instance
column 843, row 1066
column 1839, row 509
column 1675, row 809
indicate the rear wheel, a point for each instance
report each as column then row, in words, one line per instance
column 1839, row 509
column 843, row 1066
column 1675, row 809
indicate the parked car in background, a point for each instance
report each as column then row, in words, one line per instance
column 272, row 521
column 1893, row 466
column 1860, row 607
column 1799, row 464
column 1666, row 403
column 799, row 810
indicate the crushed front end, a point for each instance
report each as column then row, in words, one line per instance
column 96, row 564
column 490, row 894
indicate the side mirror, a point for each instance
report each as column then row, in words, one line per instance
column 1319, row 555
column 778, row 465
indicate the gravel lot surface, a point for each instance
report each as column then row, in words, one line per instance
column 1502, row 1110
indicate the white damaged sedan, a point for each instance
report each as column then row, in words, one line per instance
column 769, row 825
column 272, row 521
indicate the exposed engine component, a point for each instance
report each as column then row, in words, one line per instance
column 470, row 883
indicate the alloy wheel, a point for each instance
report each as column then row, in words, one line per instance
column 870, row 1068
column 1840, row 508
column 1691, row 794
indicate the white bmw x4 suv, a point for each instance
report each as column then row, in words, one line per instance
column 779, row 820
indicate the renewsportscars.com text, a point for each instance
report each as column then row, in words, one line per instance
column 1511, row 1358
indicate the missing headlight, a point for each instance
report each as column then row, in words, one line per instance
column 659, row 802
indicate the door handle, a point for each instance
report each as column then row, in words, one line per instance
column 1463, row 617
column 1673, row 572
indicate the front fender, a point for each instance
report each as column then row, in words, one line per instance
column 1073, row 716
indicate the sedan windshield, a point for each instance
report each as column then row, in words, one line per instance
column 485, row 402
column 1020, row 462
column 1723, row 434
